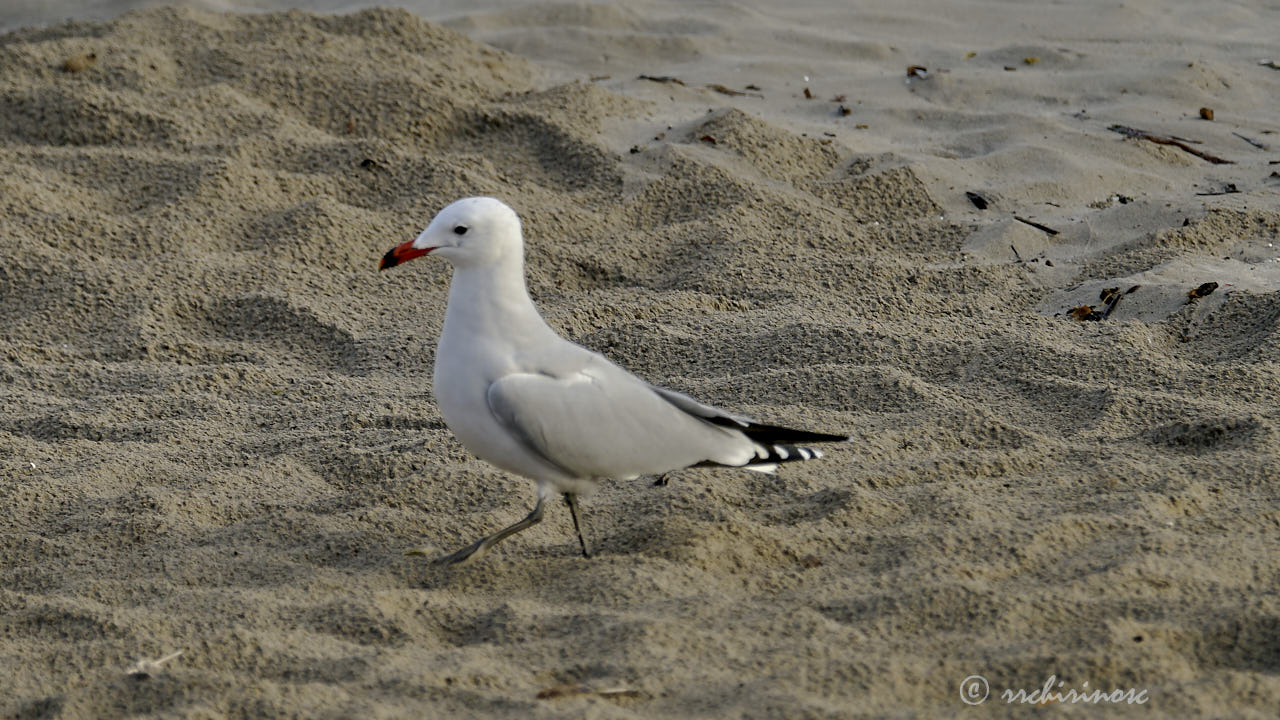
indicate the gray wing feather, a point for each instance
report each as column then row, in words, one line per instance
column 702, row 410
column 604, row 422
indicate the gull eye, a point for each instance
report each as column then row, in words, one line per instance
column 460, row 230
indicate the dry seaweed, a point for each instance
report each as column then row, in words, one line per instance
column 1202, row 290
column 1086, row 313
column 1180, row 143
column 731, row 92
column 1111, row 296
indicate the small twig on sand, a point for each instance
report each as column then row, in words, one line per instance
column 1251, row 141
column 1036, row 225
column 661, row 79
column 1179, row 143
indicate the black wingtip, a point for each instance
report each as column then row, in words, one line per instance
column 773, row 434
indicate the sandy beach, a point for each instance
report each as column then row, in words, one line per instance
column 1029, row 256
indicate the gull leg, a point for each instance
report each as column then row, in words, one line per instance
column 479, row 548
column 571, row 500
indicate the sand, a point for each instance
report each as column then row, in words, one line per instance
column 217, row 432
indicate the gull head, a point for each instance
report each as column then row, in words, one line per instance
column 471, row 231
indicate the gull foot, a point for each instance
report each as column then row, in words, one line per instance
column 479, row 548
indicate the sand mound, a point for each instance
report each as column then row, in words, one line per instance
column 218, row 434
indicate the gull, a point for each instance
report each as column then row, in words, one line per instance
column 521, row 397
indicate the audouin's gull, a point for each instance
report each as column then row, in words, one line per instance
column 525, row 399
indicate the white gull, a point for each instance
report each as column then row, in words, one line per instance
column 523, row 398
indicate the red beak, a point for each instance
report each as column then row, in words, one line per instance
column 404, row 252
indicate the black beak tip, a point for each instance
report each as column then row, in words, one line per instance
column 389, row 260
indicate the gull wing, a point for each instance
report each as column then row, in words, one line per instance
column 601, row 421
